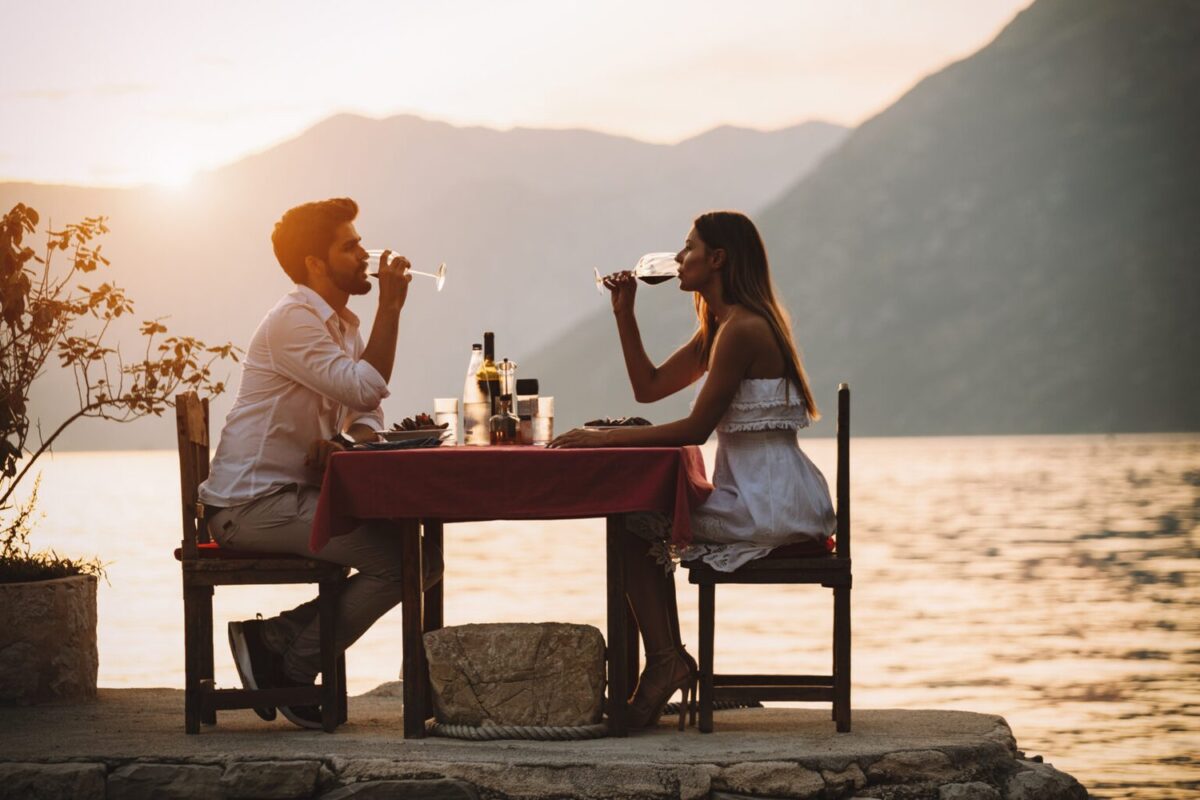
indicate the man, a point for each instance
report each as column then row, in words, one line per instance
column 309, row 388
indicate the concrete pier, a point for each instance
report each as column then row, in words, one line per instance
column 130, row 743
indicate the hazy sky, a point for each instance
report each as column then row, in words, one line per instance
column 153, row 90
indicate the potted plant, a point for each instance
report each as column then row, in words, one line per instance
column 48, row 602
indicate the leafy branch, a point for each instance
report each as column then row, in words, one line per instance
column 42, row 312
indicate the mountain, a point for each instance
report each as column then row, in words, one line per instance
column 1011, row 247
column 520, row 217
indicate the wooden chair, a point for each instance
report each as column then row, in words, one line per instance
column 205, row 566
column 785, row 566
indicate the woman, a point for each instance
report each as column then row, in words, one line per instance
column 755, row 394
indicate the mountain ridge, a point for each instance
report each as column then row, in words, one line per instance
column 999, row 250
column 520, row 218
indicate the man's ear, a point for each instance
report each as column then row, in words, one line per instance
column 314, row 267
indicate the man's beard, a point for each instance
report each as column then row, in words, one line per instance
column 352, row 283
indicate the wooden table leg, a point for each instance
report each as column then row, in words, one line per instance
column 415, row 670
column 434, row 595
column 618, row 676
column 632, row 649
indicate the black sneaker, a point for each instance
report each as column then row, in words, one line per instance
column 254, row 662
column 305, row 716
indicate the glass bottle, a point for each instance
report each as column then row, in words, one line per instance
column 527, row 390
column 476, row 410
column 503, row 423
column 487, row 372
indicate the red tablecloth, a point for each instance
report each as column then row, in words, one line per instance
column 471, row 483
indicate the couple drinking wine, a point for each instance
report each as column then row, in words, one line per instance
column 311, row 387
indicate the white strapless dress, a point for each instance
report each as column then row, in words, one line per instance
column 766, row 492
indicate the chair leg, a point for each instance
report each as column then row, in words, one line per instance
column 331, row 707
column 841, row 649
column 193, row 623
column 833, row 707
column 343, row 703
column 208, row 715
column 707, row 624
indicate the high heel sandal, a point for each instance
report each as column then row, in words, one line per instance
column 644, row 713
column 693, row 704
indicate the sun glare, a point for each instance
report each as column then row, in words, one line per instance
column 171, row 169
column 173, row 177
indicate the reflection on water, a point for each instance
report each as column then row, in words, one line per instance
column 1051, row 580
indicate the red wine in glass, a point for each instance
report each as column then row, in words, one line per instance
column 652, row 268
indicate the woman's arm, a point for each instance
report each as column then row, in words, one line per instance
column 733, row 352
column 650, row 383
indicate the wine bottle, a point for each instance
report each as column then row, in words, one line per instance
column 487, row 372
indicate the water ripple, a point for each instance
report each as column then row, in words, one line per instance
column 1052, row 580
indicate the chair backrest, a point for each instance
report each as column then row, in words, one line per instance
column 191, row 428
column 843, row 471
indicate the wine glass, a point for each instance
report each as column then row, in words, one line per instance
column 651, row 268
column 439, row 274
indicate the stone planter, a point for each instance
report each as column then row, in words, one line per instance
column 48, row 641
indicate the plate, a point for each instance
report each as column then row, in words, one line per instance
column 409, row 436
column 407, row 444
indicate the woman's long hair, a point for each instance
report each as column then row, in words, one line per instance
column 746, row 280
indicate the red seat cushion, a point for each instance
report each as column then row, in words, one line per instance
column 213, row 550
column 810, row 549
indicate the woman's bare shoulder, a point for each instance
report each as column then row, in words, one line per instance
column 745, row 334
column 746, row 325
column 752, row 338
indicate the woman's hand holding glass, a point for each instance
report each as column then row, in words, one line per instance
column 622, row 287
column 653, row 268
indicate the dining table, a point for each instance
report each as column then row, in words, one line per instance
column 421, row 490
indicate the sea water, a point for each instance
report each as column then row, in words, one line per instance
column 1050, row 580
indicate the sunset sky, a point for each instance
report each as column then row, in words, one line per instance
column 151, row 92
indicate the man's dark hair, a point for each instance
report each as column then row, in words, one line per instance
column 308, row 230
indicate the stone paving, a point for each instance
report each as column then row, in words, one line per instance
column 130, row 743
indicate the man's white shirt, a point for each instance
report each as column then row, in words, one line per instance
column 303, row 379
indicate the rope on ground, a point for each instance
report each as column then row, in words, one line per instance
column 718, row 705
column 552, row 733
column 543, row 733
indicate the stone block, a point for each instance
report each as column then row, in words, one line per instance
column 1042, row 782
column 165, row 782
column 404, row 790
column 973, row 790
column 549, row 673
column 281, row 780
column 52, row 781
column 515, row 779
column 771, row 778
column 913, row 766
column 48, row 641
column 849, row 779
